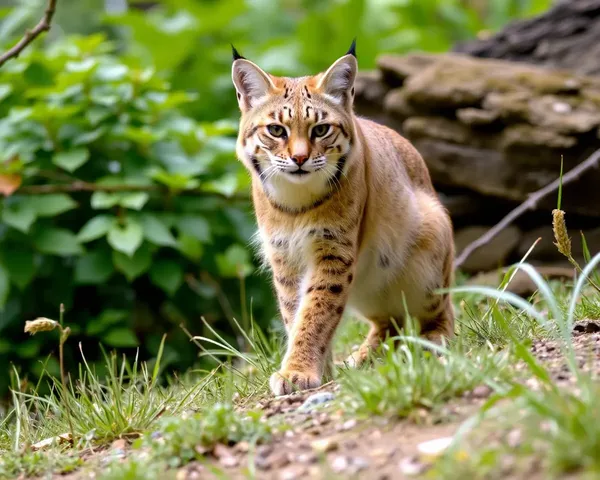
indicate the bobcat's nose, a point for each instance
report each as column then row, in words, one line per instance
column 299, row 159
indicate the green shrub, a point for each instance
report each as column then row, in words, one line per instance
column 130, row 213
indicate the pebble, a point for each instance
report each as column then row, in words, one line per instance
column 315, row 400
column 339, row 464
column 306, row 458
column 226, row 458
column 434, row 448
column 349, row 424
column 243, row 447
column 360, row 463
column 411, row 467
column 275, row 460
column 481, row 391
column 297, row 471
column 324, row 445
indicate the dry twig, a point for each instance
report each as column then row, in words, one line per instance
column 528, row 204
column 30, row 35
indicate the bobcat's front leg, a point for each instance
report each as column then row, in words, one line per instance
column 323, row 292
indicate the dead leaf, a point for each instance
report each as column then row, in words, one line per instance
column 60, row 439
column 9, row 183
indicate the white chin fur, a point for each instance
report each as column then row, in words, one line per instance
column 298, row 179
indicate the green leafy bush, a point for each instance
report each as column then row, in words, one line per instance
column 117, row 204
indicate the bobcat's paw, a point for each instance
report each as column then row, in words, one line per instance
column 359, row 358
column 285, row 382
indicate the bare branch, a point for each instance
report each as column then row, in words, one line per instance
column 30, row 35
column 528, row 204
column 81, row 186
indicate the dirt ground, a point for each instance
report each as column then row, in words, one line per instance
column 323, row 443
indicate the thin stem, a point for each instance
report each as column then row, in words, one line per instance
column 530, row 203
column 82, row 186
column 64, row 334
column 30, row 35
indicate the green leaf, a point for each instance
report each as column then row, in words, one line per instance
column 20, row 265
column 101, row 200
column 5, row 90
column 133, row 267
column 226, row 185
column 156, row 231
column 19, row 215
column 194, row 226
column 57, row 241
column 71, row 160
column 95, row 228
column 126, row 238
column 94, row 268
column 106, row 319
column 235, row 262
column 191, row 247
column 121, row 337
column 167, row 275
column 136, row 200
column 52, row 205
column 4, row 286
column 111, row 73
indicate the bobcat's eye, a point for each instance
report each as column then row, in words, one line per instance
column 320, row 130
column 276, row 130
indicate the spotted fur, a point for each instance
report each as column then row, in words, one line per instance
column 347, row 215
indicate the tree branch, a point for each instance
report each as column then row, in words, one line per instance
column 30, row 35
column 81, row 186
column 528, row 204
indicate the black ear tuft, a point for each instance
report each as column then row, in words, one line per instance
column 352, row 50
column 236, row 54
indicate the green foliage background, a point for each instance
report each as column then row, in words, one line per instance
column 120, row 128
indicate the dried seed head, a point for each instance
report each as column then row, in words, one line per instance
column 40, row 325
column 563, row 242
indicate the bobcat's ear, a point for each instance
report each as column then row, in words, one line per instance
column 338, row 81
column 251, row 82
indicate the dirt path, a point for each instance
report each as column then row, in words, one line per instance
column 319, row 441
column 322, row 443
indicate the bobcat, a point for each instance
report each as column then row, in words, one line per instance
column 347, row 216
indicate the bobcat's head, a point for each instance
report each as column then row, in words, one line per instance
column 296, row 133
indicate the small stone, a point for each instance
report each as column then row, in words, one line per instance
column 360, row 463
column 339, row 464
column 306, row 458
column 349, row 424
column 411, row 467
column 481, row 391
column 181, row 475
column 514, row 438
column 561, row 107
column 275, row 460
column 243, row 447
column 316, row 399
column 119, row 444
column 434, row 448
column 324, row 445
column 224, row 455
column 229, row 462
column 291, row 473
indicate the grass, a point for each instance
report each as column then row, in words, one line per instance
column 171, row 425
column 411, row 377
column 560, row 426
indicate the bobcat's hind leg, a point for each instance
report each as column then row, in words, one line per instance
column 380, row 330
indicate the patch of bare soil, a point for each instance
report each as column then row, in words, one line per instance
column 320, row 442
column 324, row 443
column 586, row 343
